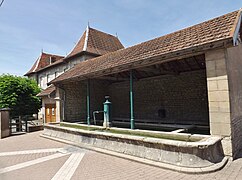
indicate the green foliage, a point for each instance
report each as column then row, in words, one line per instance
column 19, row 94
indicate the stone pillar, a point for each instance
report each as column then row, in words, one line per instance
column 58, row 105
column 43, row 111
column 4, row 123
column 234, row 67
column 218, row 97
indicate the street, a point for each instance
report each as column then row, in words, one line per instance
column 29, row 156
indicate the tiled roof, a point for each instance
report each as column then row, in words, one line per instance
column 47, row 91
column 44, row 60
column 215, row 30
column 92, row 41
column 96, row 42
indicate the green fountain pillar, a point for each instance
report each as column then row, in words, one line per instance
column 131, row 101
column 88, row 102
column 107, row 113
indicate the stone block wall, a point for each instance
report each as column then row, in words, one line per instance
column 183, row 98
column 218, row 97
column 75, row 101
column 234, row 67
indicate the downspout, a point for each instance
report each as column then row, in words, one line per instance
column 237, row 29
column 88, row 102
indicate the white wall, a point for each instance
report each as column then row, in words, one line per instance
column 51, row 73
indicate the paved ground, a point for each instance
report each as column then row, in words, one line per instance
column 30, row 157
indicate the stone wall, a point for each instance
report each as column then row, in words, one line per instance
column 234, row 66
column 168, row 99
column 218, row 96
column 183, row 98
column 75, row 101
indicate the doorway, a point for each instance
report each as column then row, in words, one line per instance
column 50, row 113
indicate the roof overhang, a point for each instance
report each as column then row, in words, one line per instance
column 47, row 92
column 176, row 55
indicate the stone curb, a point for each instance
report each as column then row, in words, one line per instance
column 187, row 170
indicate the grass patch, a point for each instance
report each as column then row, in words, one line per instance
column 153, row 135
column 133, row 133
column 77, row 126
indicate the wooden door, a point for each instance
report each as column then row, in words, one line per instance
column 50, row 113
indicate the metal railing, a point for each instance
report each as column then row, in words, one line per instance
column 22, row 123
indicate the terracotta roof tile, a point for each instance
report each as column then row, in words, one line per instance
column 93, row 41
column 44, row 60
column 207, row 32
column 96, row 42
column 47, row 91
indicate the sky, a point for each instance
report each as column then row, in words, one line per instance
column 29, row 26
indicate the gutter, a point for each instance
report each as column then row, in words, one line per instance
column 236, row 31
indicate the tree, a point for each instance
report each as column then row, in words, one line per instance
column 19, row 94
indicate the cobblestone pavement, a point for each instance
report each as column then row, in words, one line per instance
column 30, row 157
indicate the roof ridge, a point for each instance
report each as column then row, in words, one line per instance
column 95, row 42
column 102, row 32
column 51, row 54
column 86, row 38
column 37, row 64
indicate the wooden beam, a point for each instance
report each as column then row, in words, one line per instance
column 188, row 65
column 157, row 71
column 199, row 65
column 112, row 78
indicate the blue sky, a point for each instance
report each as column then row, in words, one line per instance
column 55, row 26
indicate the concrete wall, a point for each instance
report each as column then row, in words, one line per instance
column 234, row 67
column 218, row 97
column 204, row 155
column 183, row 97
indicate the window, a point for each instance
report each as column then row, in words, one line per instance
column 41, row 82
column 48, row 78
column 56, row 74
column 53, row 111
